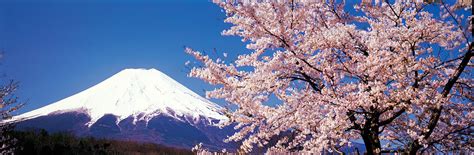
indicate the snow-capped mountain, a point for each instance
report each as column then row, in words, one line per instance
column 137, row 93
column 134, row 104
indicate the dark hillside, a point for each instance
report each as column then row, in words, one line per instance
column 33, row 142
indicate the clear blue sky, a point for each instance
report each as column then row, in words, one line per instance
column 57, row 48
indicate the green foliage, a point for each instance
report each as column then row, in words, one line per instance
column 41, row 142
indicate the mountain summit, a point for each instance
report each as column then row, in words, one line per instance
column 138, row 93
column 134, row 104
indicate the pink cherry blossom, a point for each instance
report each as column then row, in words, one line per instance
column 393, row 72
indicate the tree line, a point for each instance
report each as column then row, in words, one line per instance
column 39, row 141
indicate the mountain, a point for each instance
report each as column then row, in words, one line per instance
column 138, row 105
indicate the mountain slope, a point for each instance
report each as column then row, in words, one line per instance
column 134, row 104
column 139, row 93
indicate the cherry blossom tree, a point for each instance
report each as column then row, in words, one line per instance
column 395, row 74
column 8, row 104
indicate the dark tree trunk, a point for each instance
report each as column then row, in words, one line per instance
column 371, row 141
column 370, row 134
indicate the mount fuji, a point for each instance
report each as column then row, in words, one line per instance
column 139, row 105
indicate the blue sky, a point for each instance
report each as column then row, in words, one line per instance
column 58, row 48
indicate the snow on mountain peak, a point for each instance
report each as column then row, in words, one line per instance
column 138, row 93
